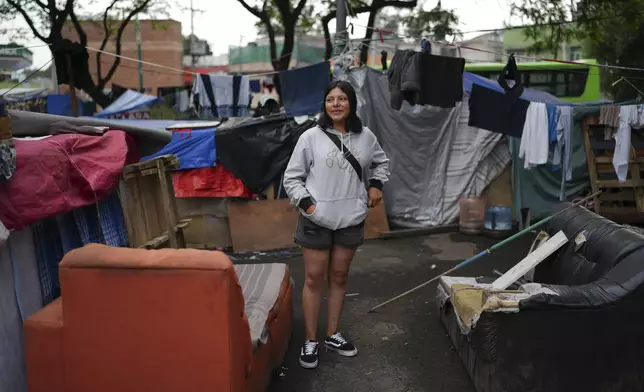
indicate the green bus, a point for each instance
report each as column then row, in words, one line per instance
column 569, row 82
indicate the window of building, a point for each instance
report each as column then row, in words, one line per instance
column 575, row 53
column 560, row 83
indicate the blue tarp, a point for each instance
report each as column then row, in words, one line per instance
column 129, row 101
column 194, row 148
column 61, row 104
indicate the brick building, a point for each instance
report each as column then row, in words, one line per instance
column 161, row 43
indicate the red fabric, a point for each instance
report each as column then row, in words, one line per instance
column 60, row 173
column 208, row 182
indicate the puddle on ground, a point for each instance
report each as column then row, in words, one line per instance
column 443, row 247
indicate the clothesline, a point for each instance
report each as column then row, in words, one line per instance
column 504, row 54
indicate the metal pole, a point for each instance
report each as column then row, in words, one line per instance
column 340, row 26
column 487, row 251
column 138, row 52
column 241, row 37
column 192, row 36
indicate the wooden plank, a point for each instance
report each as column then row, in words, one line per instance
column 270, row 224
column 634, row 169
column 616, row 184
column 626, row 195
column 376, row 222
column 590, row 159
column 166, row 201
column 262, row 224
column 610, row 160
column 530, row 261
column 169, row 162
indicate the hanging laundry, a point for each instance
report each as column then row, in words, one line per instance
column 534, row 140
column 628, row 116
column 7, row 159
column 181, row 101
column 4, row 234
column 255, row 86
column 194, row 148
column 562, row 154
column 49, row 253
column 609, row 115
column 222, row 96
column 552, row 123
column 7, row 150
column 496, row 111
column 422, row 78
column 303, row 89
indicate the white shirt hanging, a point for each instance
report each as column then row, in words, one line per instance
column 534, row 141
column 628, row 116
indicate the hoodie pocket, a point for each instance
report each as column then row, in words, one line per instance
column 339, row 213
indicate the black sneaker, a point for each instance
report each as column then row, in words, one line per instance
column 309, row 355
column 339, row 344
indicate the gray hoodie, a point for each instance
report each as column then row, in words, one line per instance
column 318, row 170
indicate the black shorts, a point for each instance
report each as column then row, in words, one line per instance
column 313, row 236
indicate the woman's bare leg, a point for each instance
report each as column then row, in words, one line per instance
column 341, row 258
column 316, row 263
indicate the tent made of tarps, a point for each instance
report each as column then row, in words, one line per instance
column 22, row 93
column 129, row 101
column 435, row 157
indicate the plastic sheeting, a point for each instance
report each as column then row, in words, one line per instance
column 587, row 338
column 194, row 148
column 257, row 150
column 208, row 182
column 435, row 157
column 150, row 138
column 20, row 297
column 127, row 102
column 60, row 173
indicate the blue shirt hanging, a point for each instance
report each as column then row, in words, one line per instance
column 303, row 89
column 194, row 148
column 552, row 123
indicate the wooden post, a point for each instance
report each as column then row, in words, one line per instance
column 72, row 85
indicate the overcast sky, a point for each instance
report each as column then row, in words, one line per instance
column 224, row 22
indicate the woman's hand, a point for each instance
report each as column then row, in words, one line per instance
column 375, row 196
column 311, row 209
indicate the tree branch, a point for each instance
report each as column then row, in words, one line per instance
column 259, row 14
column 27, row 19
column 106, row 38
column 117, row 60
column 298, row 9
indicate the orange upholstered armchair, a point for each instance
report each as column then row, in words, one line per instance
column 152, row 320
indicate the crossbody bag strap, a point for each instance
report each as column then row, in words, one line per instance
column 347, row 154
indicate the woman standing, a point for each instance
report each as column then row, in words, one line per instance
column 324, row 178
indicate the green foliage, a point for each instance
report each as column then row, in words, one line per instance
column 612, row 31
column 438, row 23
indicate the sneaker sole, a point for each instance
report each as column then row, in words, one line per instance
column 344, row 353
column 307, row 365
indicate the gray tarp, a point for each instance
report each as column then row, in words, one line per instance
column 25, row 123
column 436, row 158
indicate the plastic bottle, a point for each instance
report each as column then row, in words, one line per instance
column 472, row 214
column 498, row 220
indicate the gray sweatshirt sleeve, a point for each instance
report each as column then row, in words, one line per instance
column 296, row 172
column 379, row 169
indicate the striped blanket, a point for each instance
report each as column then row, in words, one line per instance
column 261, row 285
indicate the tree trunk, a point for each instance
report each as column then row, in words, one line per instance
column 364, row 48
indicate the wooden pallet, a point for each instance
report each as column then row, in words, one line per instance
column 620, row 202
column 149, row 206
